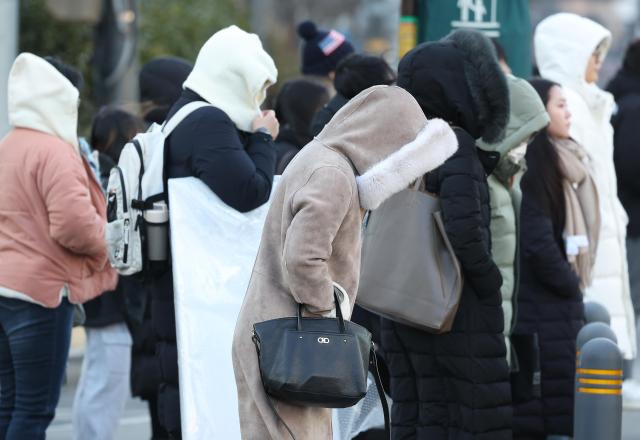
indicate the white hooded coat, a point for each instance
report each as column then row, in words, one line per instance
column 563, row 45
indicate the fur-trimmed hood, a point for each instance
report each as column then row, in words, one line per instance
column 388, row 140
column 459, row 79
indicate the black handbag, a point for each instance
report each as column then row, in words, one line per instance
column 319, row 362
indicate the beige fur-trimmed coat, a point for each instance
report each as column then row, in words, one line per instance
column 375, row 146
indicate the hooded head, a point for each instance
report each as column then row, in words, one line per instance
column 459, row 80
column 387, row 138
column 528, row 115
column 322, row 50
column 41, row 98
column 564, row 44
column 233, row 72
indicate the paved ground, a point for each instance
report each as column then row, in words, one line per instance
column 134, row 424
column 631, row 425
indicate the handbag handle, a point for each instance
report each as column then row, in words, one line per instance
column 341, row 326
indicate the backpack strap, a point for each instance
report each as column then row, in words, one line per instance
column 170, row 124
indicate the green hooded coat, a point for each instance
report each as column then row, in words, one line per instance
column 528, row 116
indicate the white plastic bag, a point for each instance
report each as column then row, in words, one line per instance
column 214, row 248
column 363, row 416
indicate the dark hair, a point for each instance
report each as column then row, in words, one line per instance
column 358, row 72
column 632, row 57
column 71, row 73
column 112, row 129
column 160, row 82
column 502, row 55
column 296, row 104
column 543, row 179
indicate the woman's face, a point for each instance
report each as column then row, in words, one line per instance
column 594, row 65
column 558, row 113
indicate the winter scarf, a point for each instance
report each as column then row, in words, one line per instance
column 582, row 224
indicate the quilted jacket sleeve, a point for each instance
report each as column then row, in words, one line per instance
column 543, row 252
column 74, row 222
column 460, row 201
column 241, row 177
column 319, row 208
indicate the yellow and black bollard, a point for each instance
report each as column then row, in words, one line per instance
column 598, row 400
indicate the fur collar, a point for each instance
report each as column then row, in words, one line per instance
column 487, row 84
column 432, row 146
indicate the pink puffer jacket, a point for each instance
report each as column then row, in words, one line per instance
column 52, row 209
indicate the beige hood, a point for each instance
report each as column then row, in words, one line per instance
column 389, row 141
column 233, row 72
column 41, row 98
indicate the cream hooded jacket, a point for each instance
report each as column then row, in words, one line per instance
column 375, row 146
column 232, row 72
column 563, row 45
column 52, row 209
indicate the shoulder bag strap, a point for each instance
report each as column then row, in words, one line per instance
column 373, row 367
column 181, row 114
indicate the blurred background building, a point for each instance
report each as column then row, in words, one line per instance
column 109, row 39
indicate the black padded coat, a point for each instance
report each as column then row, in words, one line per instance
column 549, row 305
column 453, row 385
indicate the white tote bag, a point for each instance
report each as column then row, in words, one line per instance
column 214, row 248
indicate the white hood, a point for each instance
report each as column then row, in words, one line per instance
column 233, row 72
column 563, row 45
column 41, row 98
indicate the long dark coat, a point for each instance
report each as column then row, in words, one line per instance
column 454, row 385
column 549, row 305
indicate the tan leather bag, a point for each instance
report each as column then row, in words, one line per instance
column 409, row 271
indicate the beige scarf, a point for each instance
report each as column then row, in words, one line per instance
column 582, row 224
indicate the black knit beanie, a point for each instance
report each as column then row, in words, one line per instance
column 161, row 85
column 321, row 50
